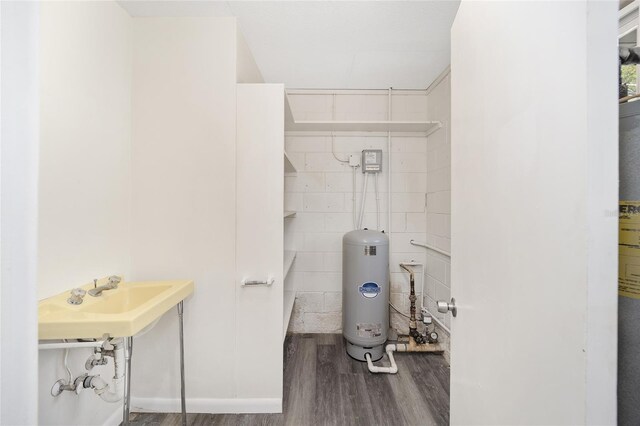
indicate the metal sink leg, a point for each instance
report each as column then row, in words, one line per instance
column 128, row 351
column 182, row 392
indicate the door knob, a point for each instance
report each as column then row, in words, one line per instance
column 444, row 307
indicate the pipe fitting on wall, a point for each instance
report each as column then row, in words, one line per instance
column 98, row 358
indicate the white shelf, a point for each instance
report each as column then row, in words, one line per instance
column 288, row 165
column 363, row 126
column 291, row 124
column 289, row 257
column 289, row 299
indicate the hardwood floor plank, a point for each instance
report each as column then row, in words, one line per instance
column 343, row 362
column 174, row 419
column 204, row 420
column 384, row 405
column 436, row 365
column 434, row 395
column 147, row 419
column 331, row 406
column 302, row 384
column 414, row 410
column 324, row 386
column 290, row 366
column 350, row 413
column 362, row 409
column 441, row 371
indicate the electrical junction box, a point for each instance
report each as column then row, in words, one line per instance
column 371, row 161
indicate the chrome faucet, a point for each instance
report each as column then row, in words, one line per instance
column 111, row 284
column 76, row 296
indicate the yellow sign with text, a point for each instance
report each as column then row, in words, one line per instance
column 629, row 249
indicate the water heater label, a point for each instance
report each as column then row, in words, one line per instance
column 368, row 330
column 369, row 290
column 369, row 250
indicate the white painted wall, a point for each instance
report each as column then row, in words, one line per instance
column 85, row 165
column 534, row 208
column 247, row 70
column 259, row 242
column 438, row 267
column 184, row 222
column 439, row 166
column 18, row 213
column 160, row 193
column 321, row 193
column 85, row 172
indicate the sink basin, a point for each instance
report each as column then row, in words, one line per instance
column 120, row 312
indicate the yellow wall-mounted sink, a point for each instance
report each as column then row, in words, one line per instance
column 120, row 312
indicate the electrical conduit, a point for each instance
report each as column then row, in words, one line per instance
column 377, row 203
column 389, row 115
column 353, row 199
column 364, row 199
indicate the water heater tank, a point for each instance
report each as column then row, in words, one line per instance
column 365, row 293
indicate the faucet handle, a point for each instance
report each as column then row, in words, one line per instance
column 78, row 292
column 76, row 296
column 114, row 280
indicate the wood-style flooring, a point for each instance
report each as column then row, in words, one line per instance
column 323, row 386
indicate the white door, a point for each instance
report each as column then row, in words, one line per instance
column 534, row 222
column 259, row 242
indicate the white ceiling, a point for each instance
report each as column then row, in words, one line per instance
column 334, row 44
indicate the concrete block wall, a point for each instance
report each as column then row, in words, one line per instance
column 321, row 193
column 437, row 273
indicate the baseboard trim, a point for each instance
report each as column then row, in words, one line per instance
column 208, row 405
column 115, row 418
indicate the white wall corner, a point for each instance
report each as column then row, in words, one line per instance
column 247, row 70
column 19, row 133
column 115, row 418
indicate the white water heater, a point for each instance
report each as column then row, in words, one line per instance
column 365, row 293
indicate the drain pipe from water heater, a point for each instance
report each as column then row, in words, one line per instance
column 416, row 340
column 393, row 369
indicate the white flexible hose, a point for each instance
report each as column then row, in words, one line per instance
column 66, row 366
column 364, row 199
column 377, row 203
column 393, row 369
